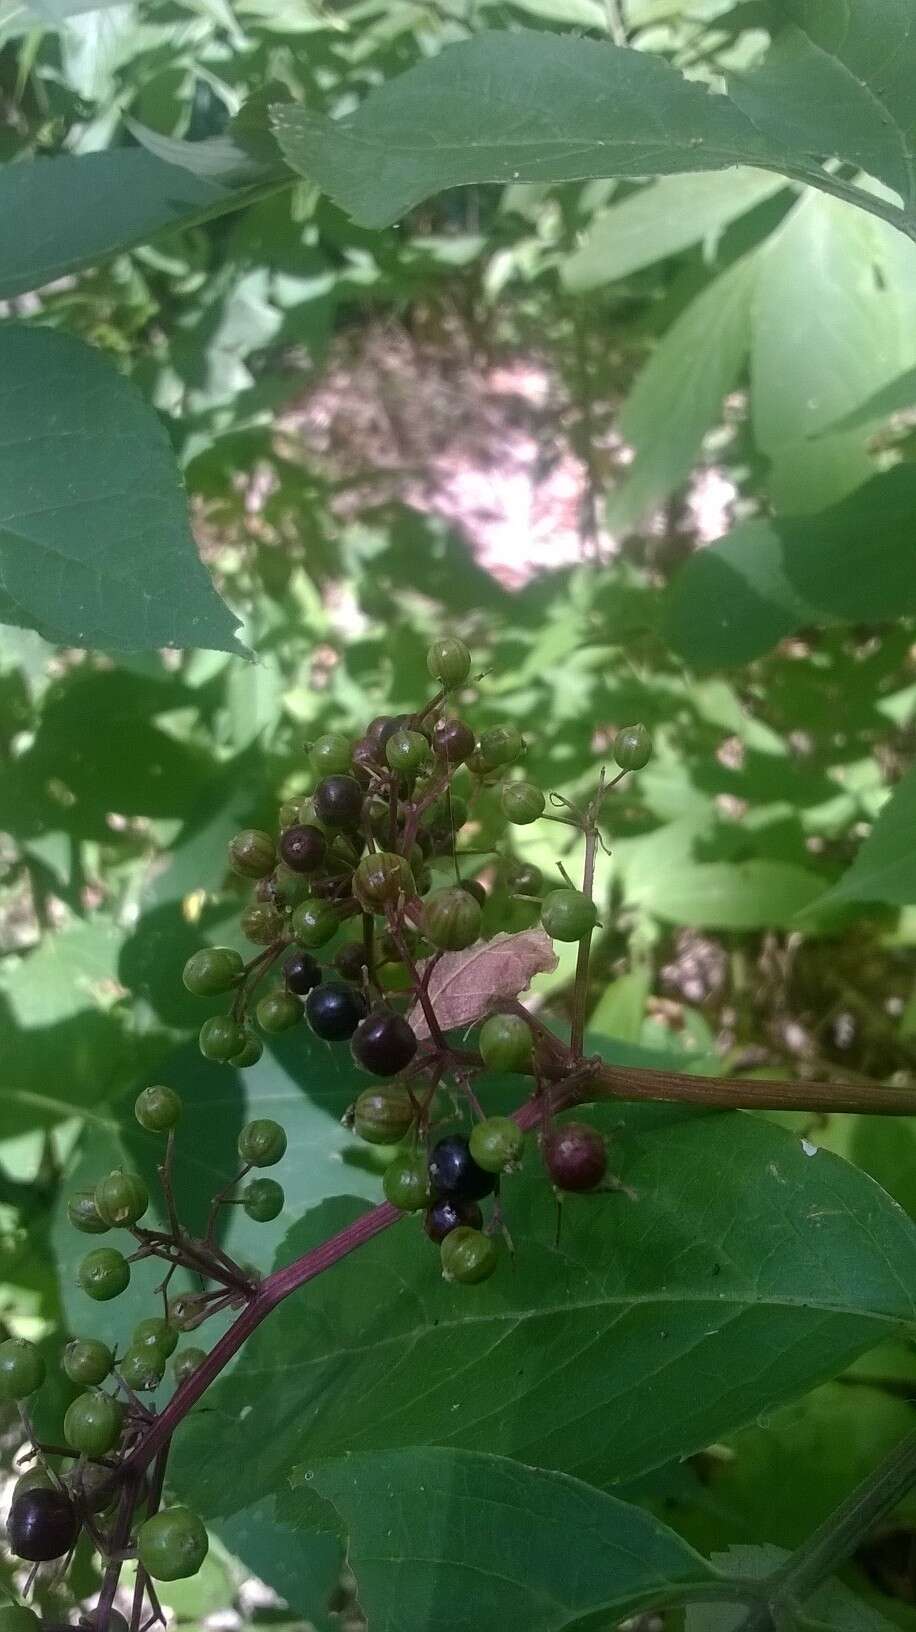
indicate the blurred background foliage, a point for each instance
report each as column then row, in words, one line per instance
column 520, row 414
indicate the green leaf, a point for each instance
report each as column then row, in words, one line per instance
column 743, row 1273
column 660, row 220
column 830, row 1608
column 95, row 546
column 731, row 895
column 620, row 1010
column 490, row 1542
column 894, row 398
column 885, row 867
column 853, row 562
column 679, row 394
column 536, row 107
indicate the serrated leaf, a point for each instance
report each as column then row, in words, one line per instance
column 465, row 985
column 743, row 1273
column 95, row 545
column 885, row 866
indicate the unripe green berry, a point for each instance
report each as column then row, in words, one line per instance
column 87, row 1361
column 288, row 814
column 263, row 1200
column 261, row 923
column 157, row 1109
column 104, row 1274
column 522, row 803
column 449, row 661
column 406, row 750
column 450, row 919
column 36, row 1478
column 212, row 970
column 187, row 1362
column 497, row 1144
column 380, row 879
column 382, row 1116
column 262, row 1143
column 632, row 748
column 331, row 754
column 315, row 923
column 121, row 1199
column 523, row 878
column 406, row 1182
column 172, row 1545
column 221, row 1038
column 500, row 745
column 142, row 1368
column 290, row 888
column 252, row 853
column 22, row 1369
column 249, row 1054
column 506, row 1043
column 155, row 1333
column 84, row 1214
column 93, row 1423
column 278, row 1011
column 568, row 915
column 468, row 1255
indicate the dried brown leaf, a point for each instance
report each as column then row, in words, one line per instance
column 464, row 985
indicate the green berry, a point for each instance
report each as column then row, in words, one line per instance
column 331, row 754
column 381, row 878
column 263, row 1200
column 522, row 803
column 84, row 1214
column 406, row 750
column 261, row 923
column 406, row 1182
column 155, row 1333
column 187, row 1362
column 262, row 1143
column 104, row 1274
column 449, row 661
column 121, row 1199
column 221, row 1038
column 93, row 1423
column 249, row 1054
column 157, row 1109
column 172, row 1545
column 450, row 919
column 36, row 1478
column 22, row 1369
column 315, row 923
column 142, row 1368
column 506, row 1043
column 290, row 888
column 496, row 1144
column 213, row 970
column 500, row 745
column 278, row 1011
column 523, row 878
column 382, row 1116
column 252, row 853
column 632, row 748
column 16, row 1617
column 288, row 814
column 568, row 915
column 467, row 1255
column 87, row 1361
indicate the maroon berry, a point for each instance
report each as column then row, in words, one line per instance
column 43, row 1524
column 453, row 741
column 303, row 848
column 575, row 1156
column 350, row 961
column 302, row 972
column 447, row 1215
column 384, row 1043
column 338, row 801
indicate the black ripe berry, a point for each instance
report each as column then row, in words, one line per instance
column 384, row 1043
column 301, row 973
column 575, row 1156
column 454, row 1173
column 446, row 1215
column 334, row 1010
column 303, row 847
column 338, row 801
column 43, row 1524
column 453, row 741
column 350, row 960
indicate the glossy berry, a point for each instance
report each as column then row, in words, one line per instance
column 172, row 1545
column 263, row 1200
column 212, row 970
column 447, row 1215
column 453, row 1171
column 249, row 1053
column 497, row 1144
column 43, row 1524
column 301, row 973
column 525, row 879
column 381, row 878
column 522, row 803
column 86, row 1361
column 406, row 750
column 187, row 1362
column 449, row 661
column 142, row 1367
column 473, row 887
column 382, row 1116
column 315, row 923
column 450, row 920
column 331, row 754
column 157, row 1109
column 156, row 1333
column 506, row 1043
column 339, row 801
column 468, row 1256
column 287, row 888
column 278, row 1011
column 262, row 1143
column 252, row 853
column 261, row 923
column 35, row 1478
column 632, row 748
column 384, row 1043
column 500, row 745
column 349, row 961
column 104, row 1274
column 568, row 915
column 93, row 1423
column 303, row 848
column 334, row 1010
column 406, row 1182
column 453, row 741
column 84, row 1214
column 287, row 814
column 220, row 1038
column 575, row 1156
column 22, row 1369
column 121, row 1198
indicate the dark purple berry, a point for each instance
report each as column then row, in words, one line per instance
column 338, row 801
column 302, row 972
column 446, row 1215
column 384, row 1043
column 334, row 1010
column 453, row 741
column 575, row 1156
column 43, row 1524
column 350, row 960
column 303, row 848
column 453, row 1171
